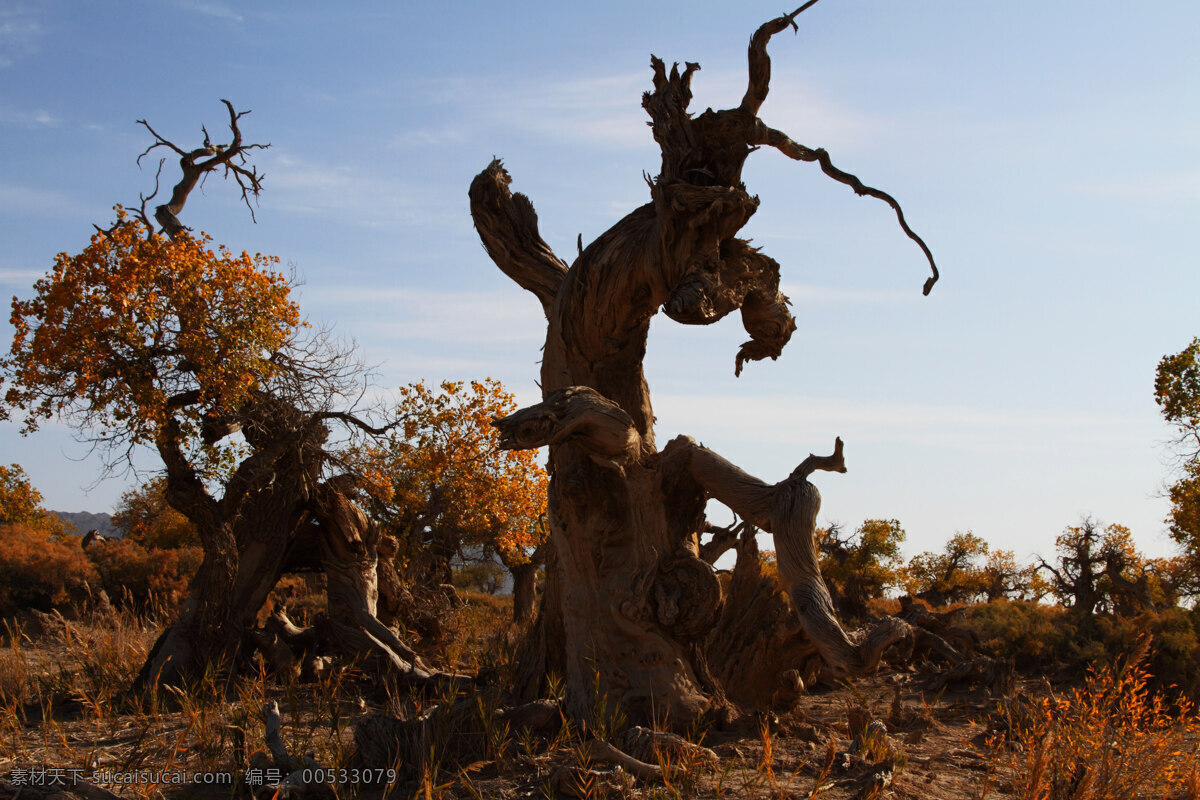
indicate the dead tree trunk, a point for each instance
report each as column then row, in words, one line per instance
column 524, row 592
column 349, row 556
column 628, row 597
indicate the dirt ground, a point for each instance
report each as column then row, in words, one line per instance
column 832, row 745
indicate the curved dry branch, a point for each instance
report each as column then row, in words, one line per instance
column 760, row 62
column 789, row 510
column 353, row 421
column 830, row 463
column 197, row 163
column 784, row 144
column 508, row 226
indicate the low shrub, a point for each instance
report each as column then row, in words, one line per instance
column 1036, row 635
column 1174, row 658
column 130, row 573
column 37, row 571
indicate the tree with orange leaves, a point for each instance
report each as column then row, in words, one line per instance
column 21, row 504
column 441, row 485
column 141, row 338
column 158, row 338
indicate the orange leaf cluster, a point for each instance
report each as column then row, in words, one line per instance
column 120, row 334
column 21, row 504
column 39, row 572
column 444, row 468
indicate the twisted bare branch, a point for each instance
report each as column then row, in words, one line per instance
column 784, row 144
column 197, row 163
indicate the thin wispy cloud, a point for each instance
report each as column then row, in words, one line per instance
column 804, row 421
column 28, row 118
column 599, row 110
column 801, row 293
column 420, row 138
column 18, row 199
column 20, row 277
column 607, row 110
column 20, row 35
column 209, row 9
column 347, row 193
column 1162, row 187
column 468, row 317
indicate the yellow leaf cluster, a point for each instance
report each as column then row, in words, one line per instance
column 21, row 504
column 137, row 329
column 443, row 467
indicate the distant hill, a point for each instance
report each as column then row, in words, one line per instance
column 85, row 521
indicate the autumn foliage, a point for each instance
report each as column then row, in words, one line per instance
column 1177, row 392
column 440, row 482
column 146, row 518
column 1112, row 738
column 39, row 572
column 863, row 566
column 140, row 328
column 131, row 573
column 21, row 504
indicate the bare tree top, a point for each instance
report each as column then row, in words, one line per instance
column 196, row 164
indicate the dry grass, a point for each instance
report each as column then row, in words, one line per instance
column 63, row 710
column 62, row 706
column 1110, row 739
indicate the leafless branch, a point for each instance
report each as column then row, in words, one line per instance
column 760, row 62
column 784, row 144
column 832, row 463
column 197, row 163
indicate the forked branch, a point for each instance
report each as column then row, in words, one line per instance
column 197, row 163
column 788, row 510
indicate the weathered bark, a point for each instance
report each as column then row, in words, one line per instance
column 349, row 555
column 628, row 598
column 245, row 536
column 676, row 599
column 524, row 591
column 634, row 594
column 758, row 650
column 393, row 597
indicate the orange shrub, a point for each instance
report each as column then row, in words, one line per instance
column 39, row 572
column 131, row 572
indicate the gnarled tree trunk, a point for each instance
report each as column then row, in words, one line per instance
column 628, row 598
column 350, row 556
column 246, row 535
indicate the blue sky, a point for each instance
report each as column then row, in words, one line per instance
column 1049, row 153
